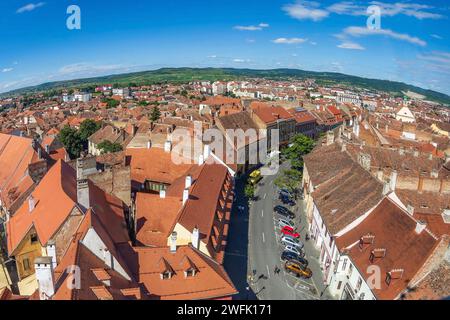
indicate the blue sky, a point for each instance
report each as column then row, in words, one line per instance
column 122, row 36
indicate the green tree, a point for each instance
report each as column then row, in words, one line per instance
column 87, row 128
column 72, row 141
column 107, row 146
column 155, row 114
column 300, row 146
column 249, row 191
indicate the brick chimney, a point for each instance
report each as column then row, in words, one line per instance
column 31, row 203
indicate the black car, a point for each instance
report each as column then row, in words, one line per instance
column 283, row 211
column 287, row 200
column 291, row 256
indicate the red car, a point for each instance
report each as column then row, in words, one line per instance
column 288, row 231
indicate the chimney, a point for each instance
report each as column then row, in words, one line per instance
column 39, row 152
column 206, row 152
column 31, row 203
column 200, row 160
column 446, row 215
column 401, row 151
column 330, row 138
column 434, row 173
column 168, row 146
column 44, row 277
column 149, row 144
column 195, row 238
column 365, row 161
column 51, row 252
column 82, row 186
column 380, row 175
column 173, row 242
column 188, row 182
column 185, row 195
column 447, row 156
column 420, row 226
column 410, row 209
column 47, row 149
column 386, row 188
column 393, row 180
column 344, row 147
column 162, row 194
column 416, row 153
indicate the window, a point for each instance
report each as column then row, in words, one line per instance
column 350, row 270
column 26, row 264
column 189, row 273
column 166, row 275
column 339, row 285
column 344, row 264
column 358, row 284
column 34, row 238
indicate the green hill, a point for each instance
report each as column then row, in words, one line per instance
column 181, row 75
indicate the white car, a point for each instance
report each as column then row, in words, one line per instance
column 289, row 241
column 283, row 223
column 293, row 249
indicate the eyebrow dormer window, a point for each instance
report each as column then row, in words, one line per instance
column 189, row 273
column 166, row 275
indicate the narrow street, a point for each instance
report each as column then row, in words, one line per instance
column 254, row 250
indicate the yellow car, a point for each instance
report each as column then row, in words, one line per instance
column 298, row 270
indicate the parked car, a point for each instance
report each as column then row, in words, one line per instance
column 293, row 249
column 284, row 192
column 283, row 223
column 288, row 240
column 290, row 256
column 298, row 270
column 283, row 211
column 289, row 231
column 287, row 200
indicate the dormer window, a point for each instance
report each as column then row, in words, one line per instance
column 33, row 238
column 166, row 275
column 189, row 273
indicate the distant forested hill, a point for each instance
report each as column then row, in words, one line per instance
column 180, row 75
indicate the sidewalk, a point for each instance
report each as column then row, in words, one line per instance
column 311, row 253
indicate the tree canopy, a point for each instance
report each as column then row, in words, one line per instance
column 155, row 114
column 107, row 146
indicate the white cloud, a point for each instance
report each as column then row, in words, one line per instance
column 408, row 9
column 251, row 40
column 361, row 31
column 311, row 10
column 212, row 56
column 7, row 69
column 86, row 68
column 350, row 45
column 305, row 10
column 289, row 40
column 259, row 27
column 30, row 7
column 436, row 36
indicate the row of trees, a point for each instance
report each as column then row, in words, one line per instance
column 291, row 178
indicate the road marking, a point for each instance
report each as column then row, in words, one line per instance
column 268, row 271
column 264, row 240
column 262, row 213
column 265, row 194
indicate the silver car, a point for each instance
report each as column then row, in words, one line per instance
column 293, row 249
column 283, row 223
column 290, row 241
